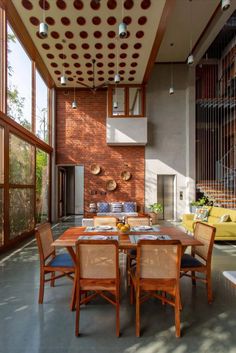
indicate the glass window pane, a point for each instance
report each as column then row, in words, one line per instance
column 135, row 101
column 21, row 161
column 1, row 155
column 19, row 81
column 42, row 185
column 21, row 211
column 118, row 101
column 1, row 216
column 41, row 108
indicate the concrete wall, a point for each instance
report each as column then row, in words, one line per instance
column 171, row 133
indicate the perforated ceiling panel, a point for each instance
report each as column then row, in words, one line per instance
column 80, row 31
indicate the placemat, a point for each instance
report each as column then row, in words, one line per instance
column 135, row 238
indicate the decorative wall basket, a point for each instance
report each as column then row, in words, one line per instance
column 111, row 185
column 125, row 175
column 95, row 169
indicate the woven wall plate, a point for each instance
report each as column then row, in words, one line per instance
column 125, row 175
column 95, row 169
column 111, row 185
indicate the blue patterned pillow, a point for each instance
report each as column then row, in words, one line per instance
column 103, row 207
column 129, row 207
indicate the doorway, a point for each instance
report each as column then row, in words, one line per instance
column 165, row 195
column 70, row 190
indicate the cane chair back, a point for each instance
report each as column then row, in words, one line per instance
column 105, row 221
column 97, row 272
column 205, row 234
column 158, row 269
column 138, row 221
column 190, row 264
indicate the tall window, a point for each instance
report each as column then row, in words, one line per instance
column 19, row 79
column 21, row 192
column 42, row 185
column 41, row 109
column 1, row 183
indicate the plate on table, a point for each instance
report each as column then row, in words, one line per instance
column 99, row 237
column 104, row 227
column 143, row 227
column 148, row 237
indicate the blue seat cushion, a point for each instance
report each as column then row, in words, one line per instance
column 62, row 260
column 189, row 261
column 129, row 207
column 103, row 207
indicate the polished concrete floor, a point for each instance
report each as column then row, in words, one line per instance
column 27, row 327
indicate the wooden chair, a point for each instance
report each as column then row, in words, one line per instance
column 105, row 221
column 131, row 255
column 200, row 258
column 50, row 263
column 97, row 270
column 138, row 221
column 157, row 269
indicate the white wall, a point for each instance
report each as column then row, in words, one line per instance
column 171, row 133
column 79, row 189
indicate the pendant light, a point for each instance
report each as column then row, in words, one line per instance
column 190, row 59
column 117, row 76
column 225, row 4
column 43, row 27
column 74, row 104
column 115, row 103
column 122, row 30
column 63, row 78
column 171, row 89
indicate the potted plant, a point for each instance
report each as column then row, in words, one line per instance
column 155, row 208
column 199, row 203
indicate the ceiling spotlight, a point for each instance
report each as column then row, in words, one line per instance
column 117, row 78
column 190, row 59
column 225, row 4
column 171, row 90
column 115, row 105
column 43, row 30
column 122, row 30
column 63, row 80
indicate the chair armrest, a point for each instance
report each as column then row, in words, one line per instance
column 188, row 217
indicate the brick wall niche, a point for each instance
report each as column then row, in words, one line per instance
column 81, row 140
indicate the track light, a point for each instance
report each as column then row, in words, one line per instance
column 190, row 60
column 225, row 4
column 122, row 30
column 43, row 30
column 63, row 80
column 117, row 78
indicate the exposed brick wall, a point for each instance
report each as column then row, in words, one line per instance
column 81, row 139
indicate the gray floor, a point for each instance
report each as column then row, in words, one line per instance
column 26, row 327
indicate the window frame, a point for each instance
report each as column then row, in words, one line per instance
column 126, row 101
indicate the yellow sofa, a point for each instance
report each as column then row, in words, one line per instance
column 224, row 230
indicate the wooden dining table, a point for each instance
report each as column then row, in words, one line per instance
column 69, row 238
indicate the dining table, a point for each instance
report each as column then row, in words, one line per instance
column 69, row 238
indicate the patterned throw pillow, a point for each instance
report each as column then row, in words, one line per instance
column 201, row 214
column 103, row 207
column 224, row 218
column 129, row 207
